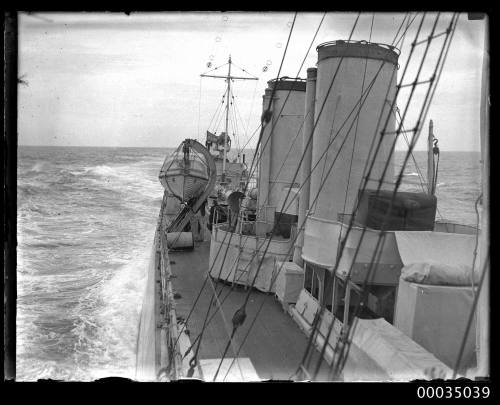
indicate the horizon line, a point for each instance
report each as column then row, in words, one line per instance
column 169, row 147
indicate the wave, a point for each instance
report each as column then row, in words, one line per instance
column 108, row 318
column 39, row 167
column 102, row 170
column 29, row 189
column 51, row 245
column 412, row 174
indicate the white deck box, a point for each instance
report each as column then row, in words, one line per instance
column 289, row 281
column 435, row 316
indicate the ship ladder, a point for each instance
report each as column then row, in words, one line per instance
column 242, row 268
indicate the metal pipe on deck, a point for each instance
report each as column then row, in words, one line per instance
column 306, row 163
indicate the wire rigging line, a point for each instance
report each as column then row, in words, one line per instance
column 368, row 167
column 371, row 28
column 217, row 111
column 311, row 337
column 296, row 173
column 218, row 67
column 406, row 29
column 266, row 114
column 298, row 167
column 319, row 313
column 234, row 64
column 324, row 152
column 396, row 109
column 252, row 105
column 192, row 308
column 251, row 136
column 330, row 141
column 357, row 124
column 243, row 127
column 293, row 242
column 246, row 186
column 343, row 356
column 337, row 366
column 236, row 129
column 320, row 159
column 289, row 252
column 220, row 118
column 267, row 111
column 226, row 325
column 417, row 168
column 286, row 99
column 301, row 67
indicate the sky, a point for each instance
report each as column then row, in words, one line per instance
column 108, row 79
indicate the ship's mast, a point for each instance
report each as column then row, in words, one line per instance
column 228, row 78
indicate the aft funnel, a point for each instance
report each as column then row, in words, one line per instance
column 355, row 88
column 281, row 144
column 355, row 111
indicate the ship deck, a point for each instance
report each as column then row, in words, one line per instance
column 275, row 344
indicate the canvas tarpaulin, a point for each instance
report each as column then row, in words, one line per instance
column 435, row 295
column 404, row 211
column 436, row 257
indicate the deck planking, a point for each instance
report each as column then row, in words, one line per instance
column 275, row 344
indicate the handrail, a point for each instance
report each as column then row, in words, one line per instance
column 169, row 324
column 169, row 306
column 363, row 42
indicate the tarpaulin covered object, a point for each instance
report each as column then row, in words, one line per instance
column 409, row 211
column 440, row 274
column 435, row 247
column 435, row 316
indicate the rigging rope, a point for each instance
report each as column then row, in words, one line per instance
column 298, row 166
column 236, row 325
column 312, row 335
column 338, row 365
column 300, row 162
column 246, row 186
column 217, row 110
column 357, row 124
column 343, row 355
column 251, row 105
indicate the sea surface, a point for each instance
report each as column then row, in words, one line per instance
column 86, row 221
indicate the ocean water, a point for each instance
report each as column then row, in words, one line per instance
column 458, row 183
column 86, row 220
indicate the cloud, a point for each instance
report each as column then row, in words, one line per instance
column 98, row 77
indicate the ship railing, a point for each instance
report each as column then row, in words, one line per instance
column 171, row 356
column 361, row 42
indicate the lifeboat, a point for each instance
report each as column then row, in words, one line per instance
column 185, row 174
